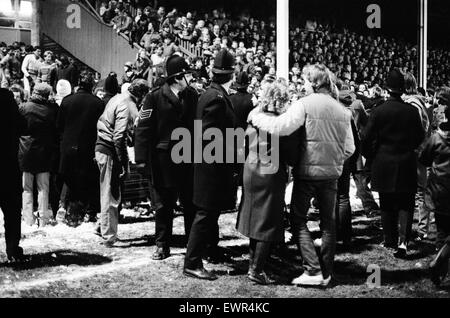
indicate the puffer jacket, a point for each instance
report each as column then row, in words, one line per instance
column 115, row 127
column 436, row 154
column 326, row 130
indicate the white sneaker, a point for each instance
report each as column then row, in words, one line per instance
column 326, row 281
column 308, row 280
column 61, row 215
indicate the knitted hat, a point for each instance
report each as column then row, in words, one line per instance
column 63, row 88
column 42, row 89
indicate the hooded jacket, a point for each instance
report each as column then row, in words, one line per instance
column 38, row 143
column 436, row 154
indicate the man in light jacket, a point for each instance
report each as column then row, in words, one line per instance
column 115, row 129
column 327, row 141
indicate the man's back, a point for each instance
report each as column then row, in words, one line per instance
column 77, row 122
column 396, row 124
column 243, row 105
column 327, row 129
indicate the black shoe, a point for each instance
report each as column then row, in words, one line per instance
column 217, row 256
column 260, row 278
column 90, row 218
column 161, row 253
column 199, row 273
column 16, row 256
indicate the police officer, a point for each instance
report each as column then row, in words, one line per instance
column 165, row 109
column 213, row 182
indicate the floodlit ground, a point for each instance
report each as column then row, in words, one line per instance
column 70, row 262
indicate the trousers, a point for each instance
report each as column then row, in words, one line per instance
column 325, row 193
column 203, row 232
column 397, row 212
column 43, row 187
column 109, row 196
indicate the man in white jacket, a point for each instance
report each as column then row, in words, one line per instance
column 327, row 141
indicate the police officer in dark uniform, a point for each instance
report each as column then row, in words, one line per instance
column 165, row 109
column 213, row 182
column 242, row 100
column 243, row 105
column 11, row 126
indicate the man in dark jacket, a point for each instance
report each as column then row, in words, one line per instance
column 11, row 126
column 213, row 182
column 77, row 125
column 242, row 100
column 65, row 70
column 392, row 135
column 165, row 109
column 37, row 151
column 243, row 105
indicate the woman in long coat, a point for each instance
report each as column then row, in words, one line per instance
column 264, row 185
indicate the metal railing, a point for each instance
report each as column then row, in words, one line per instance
column 190, row 48
column 186, row 47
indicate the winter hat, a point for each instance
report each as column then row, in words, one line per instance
column 63, row 88
column 42, row 90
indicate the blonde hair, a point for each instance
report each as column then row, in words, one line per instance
column 320, row 77
column 275, row 96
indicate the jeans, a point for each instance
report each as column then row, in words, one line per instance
column 397, row 212
column 43, row 187
column 109, row 198
column 362, row 180
column 343, row 208
column 325, row 193
column 425, row 202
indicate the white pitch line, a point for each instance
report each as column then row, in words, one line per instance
column 84, row 273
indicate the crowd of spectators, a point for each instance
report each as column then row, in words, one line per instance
column 357, row 59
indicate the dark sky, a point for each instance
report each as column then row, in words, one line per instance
column 398, row 17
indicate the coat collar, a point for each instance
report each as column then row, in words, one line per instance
column 168, row 93
column 220, row 88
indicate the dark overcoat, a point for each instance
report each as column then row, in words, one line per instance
column 392, row 135
column 214, row 183
column 262, row 209
column 77, row 126
column 163, row 112
column 38, row 143
column 243, row 105
column 11, row 126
